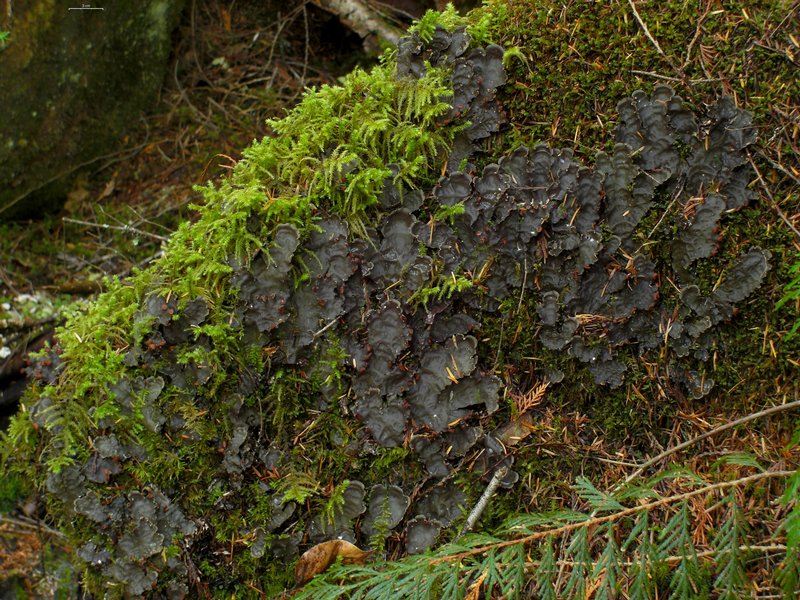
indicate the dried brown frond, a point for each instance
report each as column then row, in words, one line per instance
column 20, row 550
column 530, row 399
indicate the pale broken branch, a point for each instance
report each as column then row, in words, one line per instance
column 483, row 502
column 364, row 20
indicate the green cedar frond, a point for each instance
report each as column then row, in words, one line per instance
column 742, row 459
column 491, row 571
column 591, row 561
column 646, row 555
column 731, row 581
column 546, row 573
column 607, row 569
column 792, row 527
column 792, row 294
column 524, row 524
column 578, row 552
column 514, row 575
column 792, row 494
column 676, row 532
column 641, row 526
column 645, row 489
column 599, row 501
column 788, row 574
column 452, row 584
column 676, row 539
column 795, row 441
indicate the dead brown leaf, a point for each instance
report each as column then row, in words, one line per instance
column 226, row 19
column 109, row 188
column 516, row 430
column 317, row 559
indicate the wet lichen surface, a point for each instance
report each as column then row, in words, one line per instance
column 709, row 51
column 335, row 347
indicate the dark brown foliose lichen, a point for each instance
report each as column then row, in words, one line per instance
column 383, row 327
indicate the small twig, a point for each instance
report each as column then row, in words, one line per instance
column 609, row 461
column 305, row 50
column 223, row 110
column 670, row 560
column 362, row 19
column 785, row 19
column 701, row 59
column 40, row 534
column 384, row 8
column 665, row 213
column 524, row 283
column 643, row 25
column 676, row 79
column 30, row 524
column 777, row 51
column 483, row 502
column 499, row 345
column 145, row 261
column 113, row 156
column 193, row 573
column 123, row 228
column 774, row 204
column 192, row 12
column 324, row 329
column 656, row 75
column 746, row 419
column 143, row 219
column 204, row 120
column 697, row 32
column 612, row 517
column 26, row 324
column 281, row 24
column 779, row 167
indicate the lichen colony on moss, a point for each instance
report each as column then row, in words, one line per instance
column 229, row 414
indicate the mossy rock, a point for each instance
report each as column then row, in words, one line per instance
column 320, row 354
column 73, row 82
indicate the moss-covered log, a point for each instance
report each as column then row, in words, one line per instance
column 334, row 347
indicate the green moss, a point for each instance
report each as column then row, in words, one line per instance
column 581, row 63
column 12, row 490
